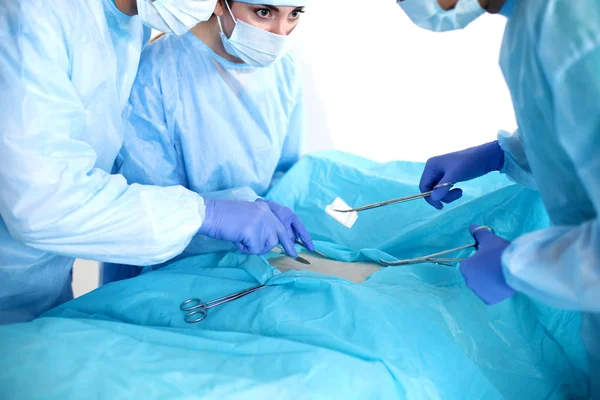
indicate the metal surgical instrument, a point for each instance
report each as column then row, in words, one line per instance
column 301, row 260
column 198, row 310
column 299, row 243
column 396, row 201
column 435, row 257
column 280, row 250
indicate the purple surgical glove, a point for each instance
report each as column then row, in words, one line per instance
column 458, row 167
column 251, row 226
column 483, row 271
column 294, row 227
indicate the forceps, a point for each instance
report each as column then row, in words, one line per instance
column 434, row 258
column 395, row 201
column 198, row 310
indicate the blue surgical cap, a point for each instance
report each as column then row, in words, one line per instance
column 288, row 3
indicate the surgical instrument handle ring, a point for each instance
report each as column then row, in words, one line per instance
column 201, row 308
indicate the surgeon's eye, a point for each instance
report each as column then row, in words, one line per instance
column 263, row 12
column 296, row 13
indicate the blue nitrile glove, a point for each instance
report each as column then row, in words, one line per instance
column 251, row 226
column 458, row 167
column 294, row 227
column 483, row 271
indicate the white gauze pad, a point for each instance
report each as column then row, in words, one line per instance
column 347, row 219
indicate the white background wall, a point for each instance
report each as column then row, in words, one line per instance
column 382, row 88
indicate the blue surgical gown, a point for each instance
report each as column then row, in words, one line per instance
column 551, row 62
column 66, row 71
column 211, row 125
column 222, row 129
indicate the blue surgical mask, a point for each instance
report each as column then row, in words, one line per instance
column 174, row 16
column 428, row 14
column 253, row 45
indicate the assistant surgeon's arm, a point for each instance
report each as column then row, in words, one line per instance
column 561, row 265
column 52, row 195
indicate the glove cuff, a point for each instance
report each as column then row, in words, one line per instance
column 494, row 155
column 209, row 217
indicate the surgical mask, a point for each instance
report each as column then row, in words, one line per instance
column 253, row 45
column 428, row 14
column 175, row 16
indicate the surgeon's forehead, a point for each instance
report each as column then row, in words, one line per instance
column 444, row 4
column 275, row 3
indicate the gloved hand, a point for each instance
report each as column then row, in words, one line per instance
column 458, row 167
column 251, row 226
column 483, row 271
column 294, row 227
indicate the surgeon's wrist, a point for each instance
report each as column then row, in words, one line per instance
column 494, row 155
column 210, row 218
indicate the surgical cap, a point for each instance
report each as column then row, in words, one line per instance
column 288, row 3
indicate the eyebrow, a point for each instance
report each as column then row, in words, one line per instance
column 276, row 9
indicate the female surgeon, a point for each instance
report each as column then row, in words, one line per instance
column 219, row 111
column 550, row 58
column 66, row 70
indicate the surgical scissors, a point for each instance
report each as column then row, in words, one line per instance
column 396, row 201
column 197, row 307
column 434, row 258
